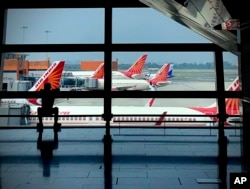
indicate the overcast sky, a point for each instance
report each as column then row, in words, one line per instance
column 66, row 26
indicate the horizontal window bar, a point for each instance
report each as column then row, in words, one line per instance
column 76, row 4
column 124, row 127
column 153, row 47
column 127, row 94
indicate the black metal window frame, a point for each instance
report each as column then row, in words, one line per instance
column 108, row 48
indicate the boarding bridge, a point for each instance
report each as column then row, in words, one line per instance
column 19, row 85
column 8, row 112
column 91, row 83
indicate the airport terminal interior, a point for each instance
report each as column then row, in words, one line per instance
column 134, row 153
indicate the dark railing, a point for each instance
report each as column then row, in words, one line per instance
column 136, row 119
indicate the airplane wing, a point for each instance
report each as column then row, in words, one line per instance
column 163, row 83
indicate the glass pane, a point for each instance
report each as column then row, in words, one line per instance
column 231, row 69
column 164, row 71
column 23, row 70
column 55, row 26
column 173, row 112
column 144, row 25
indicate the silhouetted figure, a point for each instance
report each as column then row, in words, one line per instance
column 47, row 109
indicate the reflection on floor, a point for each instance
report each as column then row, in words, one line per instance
column 141, row 159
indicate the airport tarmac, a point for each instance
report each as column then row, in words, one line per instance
column 176, row 85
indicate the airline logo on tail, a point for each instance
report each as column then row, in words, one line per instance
column 136, row 68
column 160, row 78
column 52, row 75
column 233, row 104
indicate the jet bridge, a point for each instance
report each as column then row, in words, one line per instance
column 91, row 83
column 9, row 110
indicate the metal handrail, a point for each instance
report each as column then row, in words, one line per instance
column 125, row 115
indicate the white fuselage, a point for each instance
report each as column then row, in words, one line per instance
column 85, row 74
column 144, row 116
column 14, row 101
column 31, row 101
column 126, row 84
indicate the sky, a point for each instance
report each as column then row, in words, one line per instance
column 130, row 25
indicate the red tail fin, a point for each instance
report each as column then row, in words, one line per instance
column 137, row 67
column 99, row 73
column 233, row 104
column 161, row 76
column 52, row 75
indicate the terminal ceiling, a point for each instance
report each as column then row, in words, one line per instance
column 203, row 16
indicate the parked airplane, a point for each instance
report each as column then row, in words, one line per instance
column 69, row 83
column 145, row 116
column 134, row 72
column 169, row 74
column 159, row 80
column 52, row 75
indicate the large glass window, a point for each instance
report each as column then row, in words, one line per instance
column 187, row 71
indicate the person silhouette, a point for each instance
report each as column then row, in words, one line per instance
column 47, row 109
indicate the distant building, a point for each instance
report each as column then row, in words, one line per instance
column 16, row 66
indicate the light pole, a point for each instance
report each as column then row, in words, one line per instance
column 24, row 28
column 46, row 40
column 47, row 35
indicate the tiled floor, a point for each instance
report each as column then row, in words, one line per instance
column 141, row 159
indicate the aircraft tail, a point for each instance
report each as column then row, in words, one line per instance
column 160, row 78
column 233, row 104
column 52, row 75
column 137, row 67
column 170, row 72
column 99, row 73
